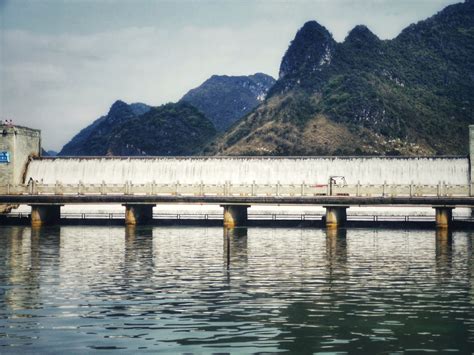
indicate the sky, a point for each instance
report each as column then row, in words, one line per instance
column 63, row 63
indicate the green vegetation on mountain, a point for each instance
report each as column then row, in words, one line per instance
column 138, row 129
column 93, row 139
column 409, row 95
column 171, row 129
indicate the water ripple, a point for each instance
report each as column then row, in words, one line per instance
column 171, row 290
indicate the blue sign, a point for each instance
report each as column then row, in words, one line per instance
column 4, row 157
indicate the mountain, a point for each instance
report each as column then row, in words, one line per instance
column 138, row 129
column 174, row 129
column 409, row 95
column 90, row 141
column 225, row 99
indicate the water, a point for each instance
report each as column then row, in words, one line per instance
column 204, row 290
column 317, row 170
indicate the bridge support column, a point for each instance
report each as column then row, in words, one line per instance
column 336, row 216
column 471, row 163
column 42, row 215
column 444, row 217
column 138, row 214
column 235, row 215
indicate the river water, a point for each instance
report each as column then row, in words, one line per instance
column 207, row 290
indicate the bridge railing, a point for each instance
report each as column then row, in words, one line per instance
column 229, row 189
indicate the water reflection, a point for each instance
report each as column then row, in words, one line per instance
column 336, row 248
column 444, row 252
column 25, row 255
column 181, row 289
column 235, row 246
column 138, row 252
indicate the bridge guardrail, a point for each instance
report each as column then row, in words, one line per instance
column 251, row 216
column 228, row 189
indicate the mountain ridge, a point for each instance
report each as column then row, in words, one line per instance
column 409, row 95
column 89, row 140
column 225, row 99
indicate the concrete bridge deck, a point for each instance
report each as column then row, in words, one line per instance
column 139, row 199
column 452, row 201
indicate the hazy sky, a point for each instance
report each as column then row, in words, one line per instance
column 64, row 62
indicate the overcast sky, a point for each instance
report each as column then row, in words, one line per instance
column 64, row 62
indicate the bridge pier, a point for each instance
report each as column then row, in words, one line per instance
column 444, row 217
column 138, row 214
column 42, row 215
column 336, row 216
column 235, row 215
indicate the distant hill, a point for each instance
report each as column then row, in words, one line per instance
column 225, row 99
column 138, row 129
column 93, row 139
column 413, row 94
column 173, row 129
column 221, row 101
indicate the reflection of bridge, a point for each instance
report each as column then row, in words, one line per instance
column 141, row 243
column 140, row 199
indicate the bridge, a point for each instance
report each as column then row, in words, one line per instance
column 139, row 199
column 235, row 183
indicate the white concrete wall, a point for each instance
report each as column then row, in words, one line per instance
column 262, row 170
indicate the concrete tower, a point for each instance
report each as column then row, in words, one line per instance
column 17, row 145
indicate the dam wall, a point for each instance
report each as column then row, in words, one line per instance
column 246, row 170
